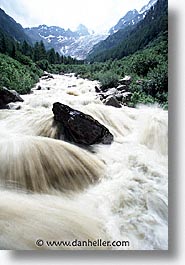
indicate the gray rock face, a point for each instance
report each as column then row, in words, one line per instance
column 79, row 127
column 7, row 96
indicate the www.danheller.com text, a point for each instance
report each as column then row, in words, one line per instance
column 82, row 243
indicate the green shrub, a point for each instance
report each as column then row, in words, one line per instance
column 157, row 80
column 140, row 98
column 14, row 75
column 31, row 66
column 108, row 79
column 43, row 64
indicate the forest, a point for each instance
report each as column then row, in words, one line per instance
column 140, row 52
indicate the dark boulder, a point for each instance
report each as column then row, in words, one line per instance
column 112, row 101
column 97, row 89
column 79, row 127
column 39, row 87
column 7, row 96
column 104, row 89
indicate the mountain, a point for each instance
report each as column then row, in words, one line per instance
column 82, row 30
column 76, row 44
column 11, row 28
column 121, row 30
column 148, row 6
column 135, row 36
column 132, row 17
column 81, row 46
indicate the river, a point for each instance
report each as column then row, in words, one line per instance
column 53, row 190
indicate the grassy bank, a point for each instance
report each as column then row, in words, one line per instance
column 18, row 76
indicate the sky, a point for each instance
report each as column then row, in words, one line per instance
column 97, row 15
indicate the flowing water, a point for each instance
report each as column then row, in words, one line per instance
column 54, row 190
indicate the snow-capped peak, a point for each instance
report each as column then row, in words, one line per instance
column 148, row 6
column 132, row 17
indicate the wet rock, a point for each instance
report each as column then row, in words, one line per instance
column 103, row 89
column 126, row 97
column 7, row 96
column 79, row 127
column 101, row 97
column 112, row 101
column 46, row 76
column 39, row 88
column 122, row 88
column 119, row 96
column 97, row 89
column 126, row 80
column 110, row 92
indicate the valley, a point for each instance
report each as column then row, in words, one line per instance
column 84, row 133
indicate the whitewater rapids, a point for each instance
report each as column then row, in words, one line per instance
column 53, row 190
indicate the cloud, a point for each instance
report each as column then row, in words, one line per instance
column 95, row 14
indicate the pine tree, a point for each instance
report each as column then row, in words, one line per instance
column 62, row 59
column 13, row 52
column 36, row 52
column 51, row 56
column 25, row 48
column 42, row 51
column 2, row 44
column 58, row 58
